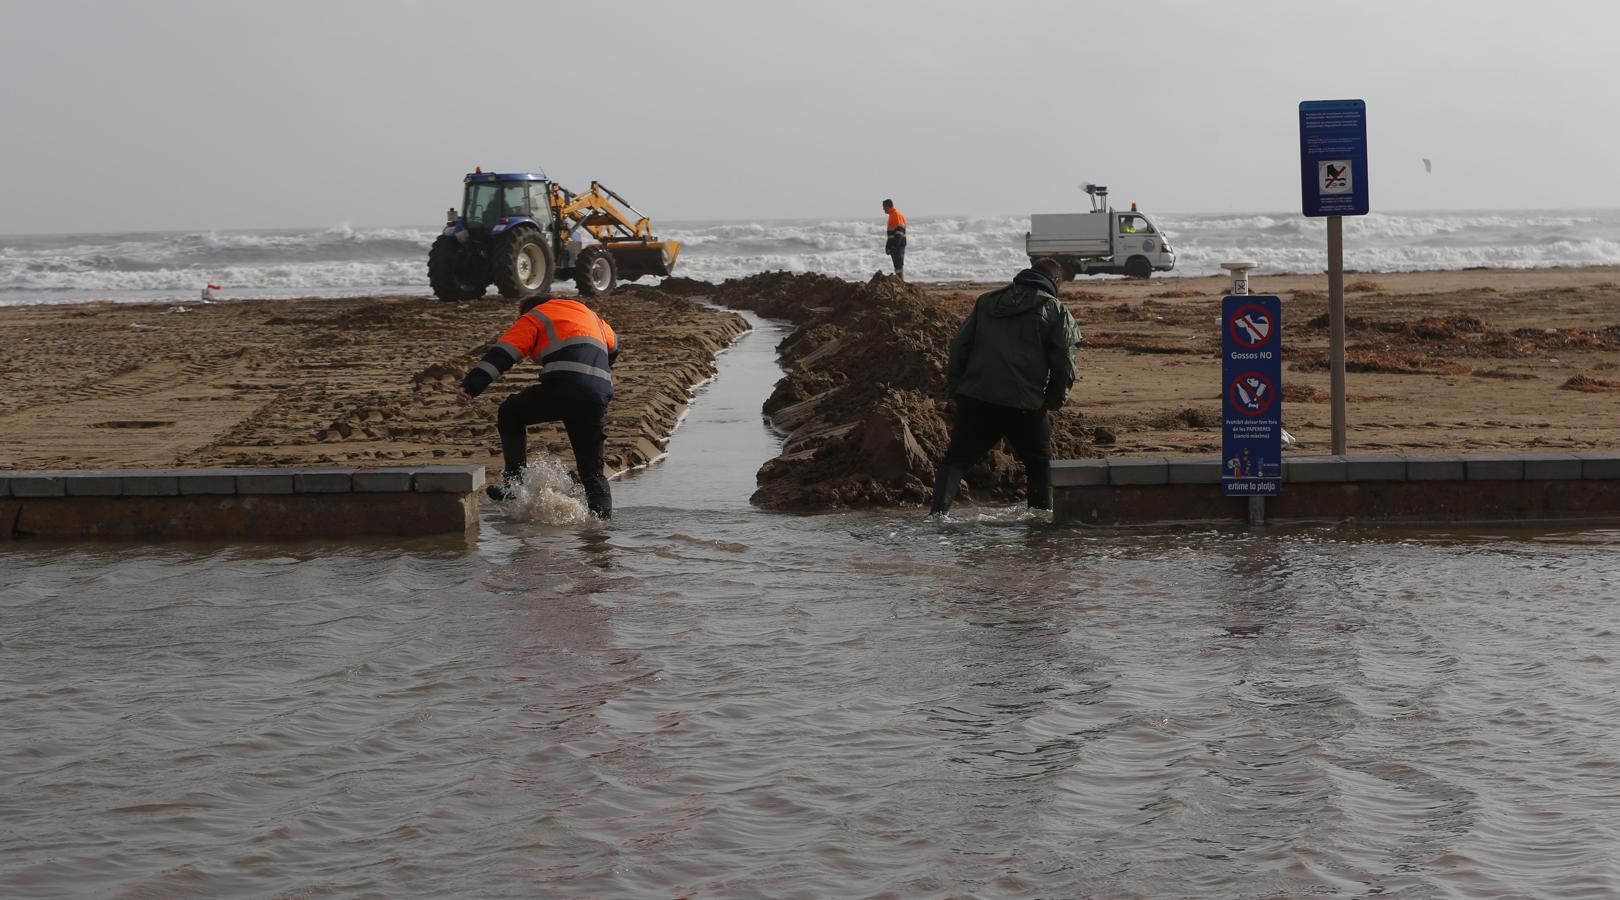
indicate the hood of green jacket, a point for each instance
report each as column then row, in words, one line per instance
column 1017, row 299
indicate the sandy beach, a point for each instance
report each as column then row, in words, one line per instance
column 363, row 381
column 1461, row 360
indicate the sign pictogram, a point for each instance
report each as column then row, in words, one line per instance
column 1333, row 176
column 1251, row 325
column 1251, row 394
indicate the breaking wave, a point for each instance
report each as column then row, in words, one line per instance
column 344, row 260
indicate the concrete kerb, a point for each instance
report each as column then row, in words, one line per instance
column 94, row 483
column 1552, row 467
column 210, row 482
column 1193, row 469
column 1079, row 472
column 1139, row 470
column 382, row 480
column 324, row 481
column 1506, row 486
column 264, row 481
column 41, row 483
column 1306, row 469
column 1375, row 467
column 156, row 483
column 241, row 503
column 1494, row 466
column 448, row 479
column 1435, row 468
column 1599, row 466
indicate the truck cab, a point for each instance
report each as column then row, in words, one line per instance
column 1102, row 241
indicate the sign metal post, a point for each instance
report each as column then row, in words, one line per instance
column 1335, row 237
column 1333, row 183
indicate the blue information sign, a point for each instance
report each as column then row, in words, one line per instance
column 1251, row 409
column 1333, row 157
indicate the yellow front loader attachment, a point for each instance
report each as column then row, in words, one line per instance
column 636, row 252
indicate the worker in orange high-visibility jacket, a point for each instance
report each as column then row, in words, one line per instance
column 576, row 349
column 895, row 243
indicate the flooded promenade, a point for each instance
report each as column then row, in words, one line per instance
column 704, row 699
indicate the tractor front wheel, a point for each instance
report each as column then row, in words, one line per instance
column 595, row 273
column 454, row 271
column 523, row 264
column 1138, row 267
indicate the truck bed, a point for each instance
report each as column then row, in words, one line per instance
column 1075, row 234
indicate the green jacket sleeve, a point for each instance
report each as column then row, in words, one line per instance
column 961, row 346
column 1061, row 372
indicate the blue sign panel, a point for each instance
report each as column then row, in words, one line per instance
column 1333, row 157
column 1251, row 411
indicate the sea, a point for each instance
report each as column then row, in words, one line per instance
column 700, row 699
column 346, row 260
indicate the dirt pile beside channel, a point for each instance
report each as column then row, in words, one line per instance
column 863, row 402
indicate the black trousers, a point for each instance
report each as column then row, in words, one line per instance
column 975, row 429
column 585, row 419
column 897, row 253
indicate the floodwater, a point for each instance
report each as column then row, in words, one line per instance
column 699, row 699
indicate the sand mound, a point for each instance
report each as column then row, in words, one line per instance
column 863, row 402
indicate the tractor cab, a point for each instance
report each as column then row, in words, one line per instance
column 519, row 230
column 492, row 203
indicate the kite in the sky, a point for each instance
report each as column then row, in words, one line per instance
column 1428, row 166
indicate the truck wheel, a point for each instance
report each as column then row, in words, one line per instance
column 595, row 273
column 1138, row 267
column 455, row 272
column 523, row 265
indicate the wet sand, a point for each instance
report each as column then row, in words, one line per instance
column 363, row 381
column 1441, row 361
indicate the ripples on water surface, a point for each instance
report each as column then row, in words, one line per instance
column 734, row 704
column 703, row 700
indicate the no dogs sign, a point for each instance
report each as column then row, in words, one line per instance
column 1251, row 420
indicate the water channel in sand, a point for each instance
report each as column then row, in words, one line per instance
column 702, row 699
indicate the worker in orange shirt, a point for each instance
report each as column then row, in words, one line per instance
column 895, row 246
column 576, row 349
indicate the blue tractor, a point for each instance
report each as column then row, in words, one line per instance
column 520, row 231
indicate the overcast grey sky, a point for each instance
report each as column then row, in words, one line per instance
column 166, row 114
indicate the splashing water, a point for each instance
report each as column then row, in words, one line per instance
column 547, row 495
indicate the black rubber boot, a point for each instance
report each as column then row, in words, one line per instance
column 1038, row 483
column 507, row 489
column 946, row 482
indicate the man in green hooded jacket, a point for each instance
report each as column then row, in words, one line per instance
column 1012, row 363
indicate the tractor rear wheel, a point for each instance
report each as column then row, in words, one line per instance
column 455, row 272
column 595, row 273
column 523, row 265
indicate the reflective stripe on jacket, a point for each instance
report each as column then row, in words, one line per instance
column 574, row 346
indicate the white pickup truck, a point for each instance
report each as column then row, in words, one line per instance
column 1101, row 241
